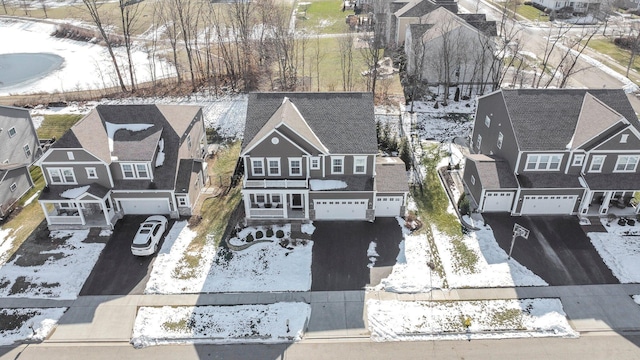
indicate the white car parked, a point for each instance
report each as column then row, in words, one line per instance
column 148, row 236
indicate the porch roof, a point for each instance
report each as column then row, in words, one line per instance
column 549, row 181
column 618, row 181
column 54, row 192
column 354, row 183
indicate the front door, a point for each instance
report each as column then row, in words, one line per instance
column 296, row 201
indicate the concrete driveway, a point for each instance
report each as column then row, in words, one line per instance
column 557, row 250
column 118, row 272
column 340, row 260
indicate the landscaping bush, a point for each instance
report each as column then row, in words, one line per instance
column 463, row 205
column 279, row 234
column 259, row 234
column 627, row 42
column 269, row 232
column 249, row 238
column 224, row 256
column 194, row 221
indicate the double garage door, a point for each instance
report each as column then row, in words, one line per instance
column 334, row 209
column 145, row 206
column 548, row 204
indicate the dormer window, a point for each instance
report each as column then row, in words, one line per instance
column 135, row 171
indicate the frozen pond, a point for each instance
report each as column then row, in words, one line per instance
column 21, row 68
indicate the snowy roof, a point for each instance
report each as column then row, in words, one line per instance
column 343, row 122
column 552, row 114
column 391, row 175
column 63, row 192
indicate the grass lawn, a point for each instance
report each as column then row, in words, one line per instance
column 323, row 17
column 621, row 56
column 215, row 212
column 526, row 11
column 31, row 215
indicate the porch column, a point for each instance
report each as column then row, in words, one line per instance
column 247, row 205
column 46, row 213
column 105, row 211
column 604, row 208
column 586, row 200
column 285, row 205
column 79, row 209
column 305, row 199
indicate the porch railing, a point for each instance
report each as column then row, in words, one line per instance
column 63, row 220
column 285, row 183
column 266, row 213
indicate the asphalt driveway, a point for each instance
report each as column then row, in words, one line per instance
column 339, row 260
column 118, row 272
column 557, row 249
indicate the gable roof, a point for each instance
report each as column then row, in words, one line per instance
column 546, row 119
column 595, row 117
column 288, row 115
column 343, row 122
column 12, row 148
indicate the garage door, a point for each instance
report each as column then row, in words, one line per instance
column 497, row 201
column 388, row 205
column 545, row 204
column 354, row 209
column 145, row 206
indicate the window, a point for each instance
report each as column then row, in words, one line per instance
column 260, row 198
column 27, row 150
column 274, row 166
column 624, row 138
column 62, row 175
column 295, row 166
column 182, row 200
column 189, row 141
column 276, row 199
column 70, row 155
column 473, row 180
column 257, row 166
column 337, row 164
column 359, row 164
column 91, row 173
column 500, row 138
column 578, row 160
column 627, row 163
column 315, row 163
column 487, row 121
column 543, row 162
column 13, row 187
column 12, row 132
column 596, row 163
column 478, row 141
column 135, row 171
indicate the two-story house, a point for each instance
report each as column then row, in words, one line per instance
column 554, row 151
column 19, row 149
column 314, row 156
column 125, row 159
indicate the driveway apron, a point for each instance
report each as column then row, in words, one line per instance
column 557, row 249
column 340, row 260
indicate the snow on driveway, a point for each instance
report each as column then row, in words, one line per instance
column 62, row 274
column 273, row 323
column 262, row 267
column 620, row 250
column 31, row 324
column 488, row 319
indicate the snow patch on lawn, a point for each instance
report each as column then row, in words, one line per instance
column 61, row 276
column 6, row 244
column 308, row 229
column 35, row 325
column 619, row 251
column 273, row 323
column 31, row 198
column 489, row 319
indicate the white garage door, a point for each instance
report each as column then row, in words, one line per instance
column 353, row 209
column 145, row 206
column 497, row 201
column 548, row 204
column 388, row 205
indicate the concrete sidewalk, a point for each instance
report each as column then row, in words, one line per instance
column 335, row 315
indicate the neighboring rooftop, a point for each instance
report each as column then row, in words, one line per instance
column 391, row 175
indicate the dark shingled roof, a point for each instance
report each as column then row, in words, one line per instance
column 391, row 175
column 545, row 119
column 621, row 181
column 417, row 30
column 549, row 181
column 494, row 172
column 186, row 169
column 344, row 122
column 54, row 192
column 422, row 8
column 479, row 21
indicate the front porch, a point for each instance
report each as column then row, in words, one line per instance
column 280, row 204
column 78, row 215
column 601, row 203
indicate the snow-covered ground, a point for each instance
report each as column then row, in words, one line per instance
column 6, row 244
column 32, row 324
column 445, row 320
column 62, row 274
column 273, row 323
column 265, row 266
column 85, row 66
column 619, row 249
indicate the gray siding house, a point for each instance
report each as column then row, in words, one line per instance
column 313, row 156
column 125, row 159
column 554, row 151
column 19, row 149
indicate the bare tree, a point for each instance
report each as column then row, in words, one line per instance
column 633, row 38
column 171, row 30
column 318, row 56
column 129, row 14
column 94, row 11
column 345, row 44
column 372, row 53
column 43, row 4
column 183, row 11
